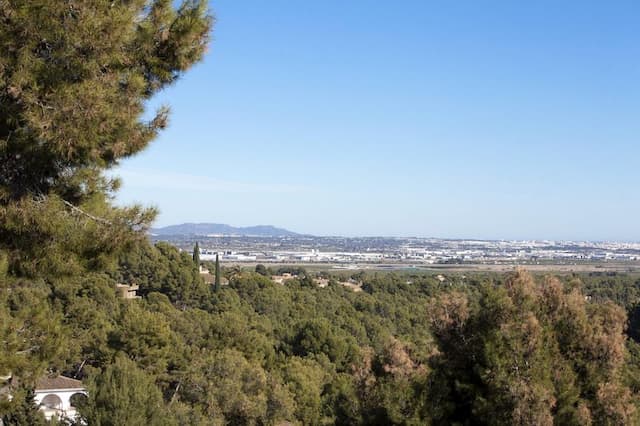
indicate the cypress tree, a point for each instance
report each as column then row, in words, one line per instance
column 196, row 255
column 217, row 278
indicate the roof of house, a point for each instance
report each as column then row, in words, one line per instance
column 130, row 287
column 59, row 382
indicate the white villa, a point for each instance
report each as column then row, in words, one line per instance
column 57, row 396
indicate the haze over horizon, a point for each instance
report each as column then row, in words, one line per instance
column 294, row 231
column 515, row 121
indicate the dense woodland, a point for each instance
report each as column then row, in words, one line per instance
column 75, row 77
column 408, row 349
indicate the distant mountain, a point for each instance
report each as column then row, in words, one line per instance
column 221, row 229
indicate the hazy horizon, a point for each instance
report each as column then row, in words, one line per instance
column 388, row 236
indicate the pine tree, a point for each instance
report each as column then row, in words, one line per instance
column 217, row 276
column 74, row 81
column 124, row 395
column 196, row 255
column 528, row 353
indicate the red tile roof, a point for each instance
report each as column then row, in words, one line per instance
column 59, row 382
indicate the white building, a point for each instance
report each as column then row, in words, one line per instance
column 127, row 291
column 58, row 396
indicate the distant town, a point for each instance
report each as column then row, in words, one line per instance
column 345, row 252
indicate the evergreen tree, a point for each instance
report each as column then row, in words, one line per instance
column 217, row 276
column 74, row 81
column 196, row 255
column 528, row 353
column 124, row 395
column 262, row 270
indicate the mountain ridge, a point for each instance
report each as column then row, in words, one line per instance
column 206, row 228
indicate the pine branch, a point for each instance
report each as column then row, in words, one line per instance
column 175, row 392
column 89, row 215
column 28, row 350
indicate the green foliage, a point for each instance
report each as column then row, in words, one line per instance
column 217, row 275
column 123, row 394
column 262, row 270
column 306, row 380
column 22, row 410
column 196, row 255
column 144, row 336
column 230, row 387
column 32, row 330
column 164, row 269
column 498, row 350
column 529, row 353
column 317, row 336
column 74, row 81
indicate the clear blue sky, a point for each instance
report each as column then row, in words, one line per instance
column 472, row 119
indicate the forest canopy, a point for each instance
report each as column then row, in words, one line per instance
column 409, row 349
